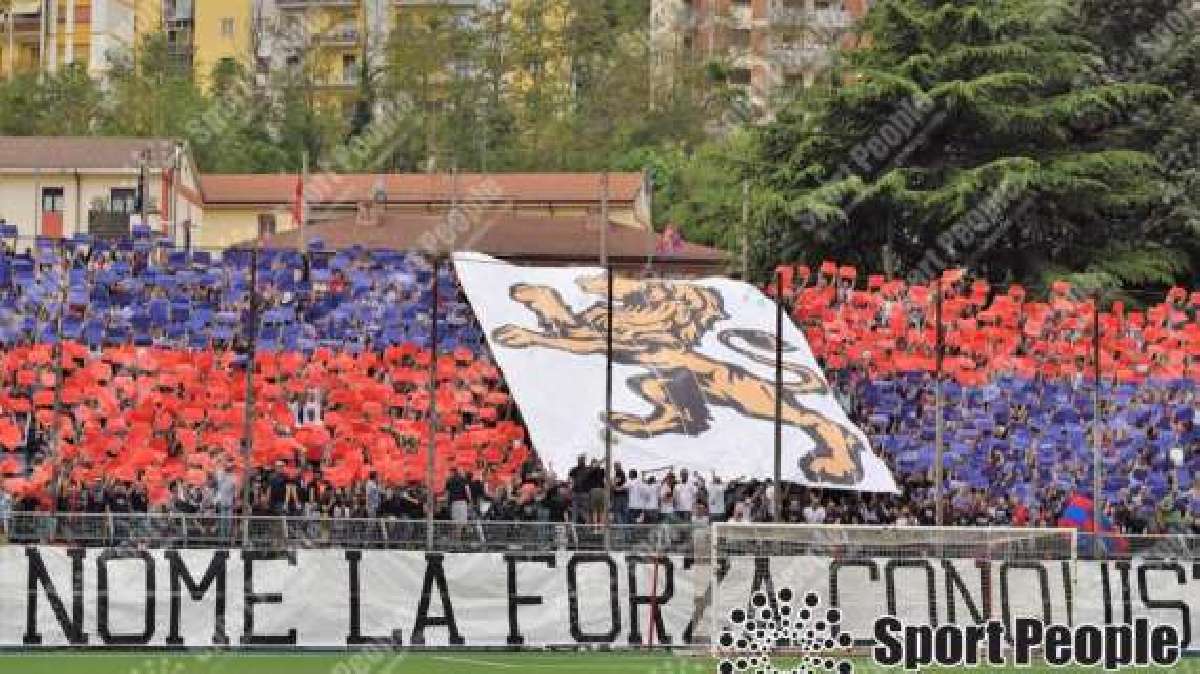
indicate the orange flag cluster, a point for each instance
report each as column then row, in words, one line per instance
column 158, row 416
column 889, row 327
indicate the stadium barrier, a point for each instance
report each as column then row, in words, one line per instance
column 208, row 531
column 542, row 591
column 155, row 530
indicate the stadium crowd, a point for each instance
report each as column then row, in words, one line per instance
column 144, row 353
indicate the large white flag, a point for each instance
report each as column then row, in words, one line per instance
column 693, row 375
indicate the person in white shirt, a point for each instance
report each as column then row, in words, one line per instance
column 650, row 513
column 634, row 504
column 814, row 513
column 685, row 497
column 716, row 499
column 666, row 499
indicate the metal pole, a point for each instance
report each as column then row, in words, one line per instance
column 746, row 231
column 430, row 498
column 143, row 187
column 604, row 218
column 55, row 435
column 608, row 407
column 300, row 243
column 248, row 420
column 777, row 502
column 1097, row 454
column 176, row 169
column 938, row 420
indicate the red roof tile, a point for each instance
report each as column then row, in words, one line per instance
column 419, row 188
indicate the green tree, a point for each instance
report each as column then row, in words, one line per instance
column 1009, row 157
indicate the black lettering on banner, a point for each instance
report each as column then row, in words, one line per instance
column 577, row 632
column 955, row 582
column 250, row 599
column 181, row 577
column 889, row 579
column 72, row 626
column 1126, row 601
column 435, row 573
column 658, row 629
column 1067, row 586
column 835, row 568
column 1043, row 579
column 355, row 638
column 1185, row 619
column 102, row 606
column 704, row 602
column 515, row 638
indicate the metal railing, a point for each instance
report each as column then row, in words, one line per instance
column 207, row 531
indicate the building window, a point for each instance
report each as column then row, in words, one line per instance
column 122, row 200
column 53, row 200
column 349, row 68
column 227, row 26
column 266, row 224
column 739, row 76
column 739, row 38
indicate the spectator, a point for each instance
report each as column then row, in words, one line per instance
column 620, row 489
column 579, row 477
column 815, row 512
column 458, row 493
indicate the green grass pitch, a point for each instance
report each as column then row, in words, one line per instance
column 448, row 662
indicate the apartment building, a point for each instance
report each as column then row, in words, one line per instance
column 45, row 35
column 770, row 47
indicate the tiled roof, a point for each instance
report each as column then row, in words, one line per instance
column 504, row 235
column 419, row 188
column 81, row 152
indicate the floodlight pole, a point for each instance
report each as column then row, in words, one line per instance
column 777, row 502
column 938, row 457
column 1097, row 453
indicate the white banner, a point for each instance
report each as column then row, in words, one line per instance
column 693, row 373
column 338, row 598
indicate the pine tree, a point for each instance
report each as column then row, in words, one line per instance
column 978, row 132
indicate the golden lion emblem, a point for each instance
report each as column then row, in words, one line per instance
column 659, row 326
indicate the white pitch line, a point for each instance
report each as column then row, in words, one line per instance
column 472, row 661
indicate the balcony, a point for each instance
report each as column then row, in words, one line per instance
column 345, row 81
column 338, row 37
column 305, row 4
column 821, row 18
column 434, row 3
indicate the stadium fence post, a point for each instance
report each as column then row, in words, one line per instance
column 430, row 497
column 248, row 417
column 1097, row 462
column 938, row 458
column 777, row 501
column 608, row 406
